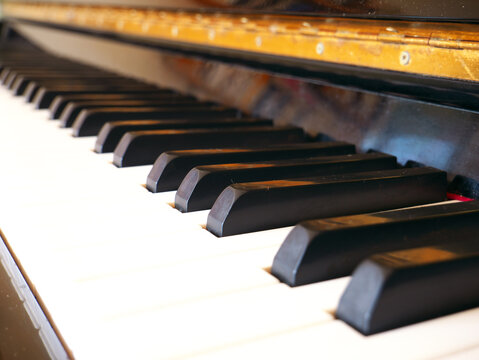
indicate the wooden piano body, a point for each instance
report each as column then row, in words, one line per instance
column 127, row 296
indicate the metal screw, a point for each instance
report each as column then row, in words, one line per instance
column 174, row 31
column 258, row 41
column 319, row 48
column 211, row 35
column 70, row 15
column 404, row 58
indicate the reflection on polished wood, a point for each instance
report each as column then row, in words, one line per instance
column 408, row 47
column 441, row 10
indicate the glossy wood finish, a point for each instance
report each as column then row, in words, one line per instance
column 404, row 47
column 465, row 10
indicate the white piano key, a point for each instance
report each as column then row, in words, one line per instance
column 336, row 340
column 160, row 288
column 209, row 324
column 107, row 258
column 166, row 248
column 468, row 354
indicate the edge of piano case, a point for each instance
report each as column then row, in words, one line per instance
column 27, row 329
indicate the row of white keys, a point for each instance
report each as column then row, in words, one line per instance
column 126, row 276
column 452, row 336
column 133, row 266
column 472, row 353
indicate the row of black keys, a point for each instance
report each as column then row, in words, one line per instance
column 286, row 181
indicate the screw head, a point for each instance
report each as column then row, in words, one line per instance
column 273, row 28
column 404, row 58
column 258, row 41
column 319, row 48
column 211, row 35
column 70, row 15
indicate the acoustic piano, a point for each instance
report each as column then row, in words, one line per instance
column 239, row 179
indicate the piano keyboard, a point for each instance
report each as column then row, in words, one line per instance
column 124, row 275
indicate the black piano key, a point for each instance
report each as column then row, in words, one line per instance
column 16, row 78
column 31, row 61
column 90, row 122
column 171, row 167
column 46, row 88
column 203, row 184
column 112, row 132
column 66, row 74
column 73, row 80
column 463, row 187
column 73, row 109
column 42, row 96
column 19, row 83
column 9, row 73
column 323, row 249
column 399, row 288
column 7, row 82
column 143, row 147
column 60, row 73
column 60, row 102
column 264, row 205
